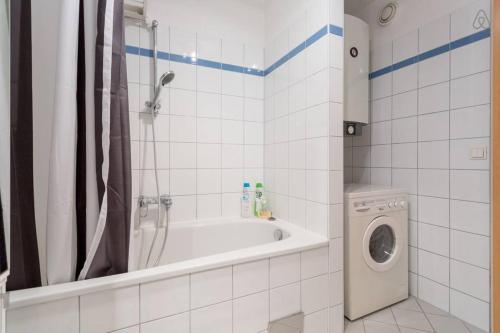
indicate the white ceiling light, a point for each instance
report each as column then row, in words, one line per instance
column 387, row 13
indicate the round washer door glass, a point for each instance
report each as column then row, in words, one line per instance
column 382, row 243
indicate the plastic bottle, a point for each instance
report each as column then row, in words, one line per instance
column 259, row 200
column 246, row 204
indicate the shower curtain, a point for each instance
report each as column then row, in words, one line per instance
column 24, row 262
column 89, row 199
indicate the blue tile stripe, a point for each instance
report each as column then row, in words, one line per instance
column 332, row 29
column 475, row 37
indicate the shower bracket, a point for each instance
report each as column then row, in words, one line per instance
column 150, row 105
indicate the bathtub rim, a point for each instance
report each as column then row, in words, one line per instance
column 299, row 240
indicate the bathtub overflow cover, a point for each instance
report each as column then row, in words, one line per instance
column 278, row 234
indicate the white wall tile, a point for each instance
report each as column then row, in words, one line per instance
column 251, row 313
column 164, row 298
column 317, row 322
column 470, row 91
column 381, row 87
column 232, row 107
column 470, row 216
column 405, row 79
column 434, row 211
column 317, row 88
column 434, row 182
column 380, row 133
column 51, row 317
column 434, row 267
column 381, row 109
column 215, row 318
column 380, row 156
column 284, row 301
column 109, row 310
column 250, row 278
column 208, row 79
column 404, row 105
column 185, row 76
column 434, row 154
column 470, row 309
column 434, row 239
column 405, row 179
column 314, row 262
column 470, row 279
column 404, row 155
column 404, row 130
column 470, row 185
column 470, row 248
column 182, row 129
column 284, row 270
column 232, row 131
column 183, row 181
column 471, row 59
column 314, row 297
column 434, row 70
column 405, row 47
column 232, row 83
column 470, row 122
column 317, row 56
column 211, row 287
column 175, row 324
column 434, row 98
column 435, row 126
column 434, row 293
column 434, row 34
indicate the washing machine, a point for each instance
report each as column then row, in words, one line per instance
column 376, row 248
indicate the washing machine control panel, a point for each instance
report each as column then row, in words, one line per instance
column 379, row 204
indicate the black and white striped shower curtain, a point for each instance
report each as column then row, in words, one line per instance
column 89, row 200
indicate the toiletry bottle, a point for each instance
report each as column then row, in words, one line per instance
column 259, row 200
column 246, row 202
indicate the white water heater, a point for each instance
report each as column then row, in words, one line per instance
column 356, row 71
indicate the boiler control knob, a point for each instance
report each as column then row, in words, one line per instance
column 403, row 204
column 389, row 204
column 395, row 204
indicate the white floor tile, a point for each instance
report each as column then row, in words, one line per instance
column 447, row 324
column 412, row 319
column 376, row 327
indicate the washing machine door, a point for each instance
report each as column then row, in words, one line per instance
column 381, row 243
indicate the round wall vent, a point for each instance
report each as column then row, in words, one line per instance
column 387, row 13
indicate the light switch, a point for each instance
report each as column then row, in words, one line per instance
column 478, row 153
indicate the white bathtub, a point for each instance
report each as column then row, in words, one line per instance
column 192, row 247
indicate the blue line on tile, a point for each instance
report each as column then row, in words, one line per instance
column 434, row 52
column 470, row 39
column 209, row 63
column 335, row 30
column 380, row 72
column 475, row 37
column 405, row 63
column 317, row 36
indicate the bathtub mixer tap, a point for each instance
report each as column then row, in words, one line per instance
column 145, row 201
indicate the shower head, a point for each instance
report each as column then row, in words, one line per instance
column 165, row 79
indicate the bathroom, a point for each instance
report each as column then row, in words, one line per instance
column 140, row 130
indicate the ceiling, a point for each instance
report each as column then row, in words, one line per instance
column 351, row 6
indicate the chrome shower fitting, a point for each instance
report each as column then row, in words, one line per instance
column 144, row 202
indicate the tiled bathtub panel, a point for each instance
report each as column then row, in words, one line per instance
column 164, row 304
